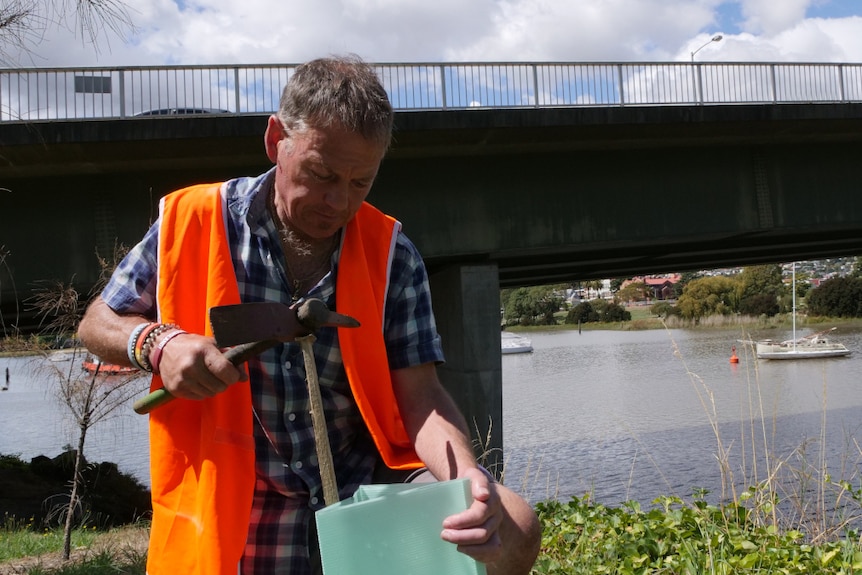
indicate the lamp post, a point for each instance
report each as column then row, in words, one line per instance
column 696, row 77
column 716, row 38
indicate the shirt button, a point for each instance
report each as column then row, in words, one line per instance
column 314, row 500
column 298, row 465
column 286, row 365
column 291, row 417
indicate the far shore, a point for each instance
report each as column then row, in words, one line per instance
column 642, row 319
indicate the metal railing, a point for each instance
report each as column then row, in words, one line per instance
column 40, row 94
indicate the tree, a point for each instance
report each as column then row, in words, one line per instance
column 758, row 284
column 23, row 23
column 582, row 313
column 663, row 309
column 90, row 398
column 594, row 288
column 635, row 291
column 597, row 311
column 6, row 270
column 610, row 312
column 837, row 297
column 708, row 296
column 533, row 305
column 759, row 304
column 684, row 279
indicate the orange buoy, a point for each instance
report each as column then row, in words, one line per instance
column 733, row 358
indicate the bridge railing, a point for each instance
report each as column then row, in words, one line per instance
column 39, row 94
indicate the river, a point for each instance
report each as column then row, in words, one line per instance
column 640, row 414
column 618, row 414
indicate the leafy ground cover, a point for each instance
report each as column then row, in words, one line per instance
column 580, row 537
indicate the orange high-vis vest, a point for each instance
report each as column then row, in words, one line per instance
column 202, row 452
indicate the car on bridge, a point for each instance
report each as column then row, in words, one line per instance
column 182, row 111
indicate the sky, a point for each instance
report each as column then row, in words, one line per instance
column 190, row 32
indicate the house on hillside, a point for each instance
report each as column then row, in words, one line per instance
column 661, row 287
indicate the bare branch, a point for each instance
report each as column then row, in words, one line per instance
column 58, row 305
column 23, row 23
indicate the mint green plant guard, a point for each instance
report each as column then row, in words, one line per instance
column 395, row 530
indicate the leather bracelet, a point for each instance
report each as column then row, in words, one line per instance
column 156, row 359
column 147, row 341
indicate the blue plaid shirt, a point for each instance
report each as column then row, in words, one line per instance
column 288, row 478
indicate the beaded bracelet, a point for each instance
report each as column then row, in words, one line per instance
column 156, row 359
column 133, row 340
column 143, row 353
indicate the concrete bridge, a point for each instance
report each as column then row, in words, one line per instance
column 495, row 191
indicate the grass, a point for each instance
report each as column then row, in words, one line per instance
column 17, row 539
column 24, row 551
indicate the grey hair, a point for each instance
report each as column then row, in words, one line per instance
column 337, row 91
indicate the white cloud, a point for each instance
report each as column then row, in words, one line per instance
column 770, row 17
column 588, row 30
column 289, row 31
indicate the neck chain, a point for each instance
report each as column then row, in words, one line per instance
column 305, row 262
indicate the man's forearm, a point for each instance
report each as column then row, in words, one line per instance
column 444, row 447
column 106, row 333
column 433, row 421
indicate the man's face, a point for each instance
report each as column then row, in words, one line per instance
column 322, row 176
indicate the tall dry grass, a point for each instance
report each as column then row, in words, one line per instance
column 795, row 490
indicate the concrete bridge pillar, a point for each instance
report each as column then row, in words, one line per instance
column 466, row 300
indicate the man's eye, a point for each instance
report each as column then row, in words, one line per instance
column 322, row 176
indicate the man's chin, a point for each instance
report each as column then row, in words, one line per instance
column 324, row 231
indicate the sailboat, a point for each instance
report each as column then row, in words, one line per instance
column 513, row 343
column 808, row 347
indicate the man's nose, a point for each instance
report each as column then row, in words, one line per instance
column 337, row 195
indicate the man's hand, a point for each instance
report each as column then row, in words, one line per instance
column 192, row 367
column 476, row 530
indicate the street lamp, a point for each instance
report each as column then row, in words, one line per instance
column 716, row 38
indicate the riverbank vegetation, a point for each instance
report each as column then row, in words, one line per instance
column 759, row 297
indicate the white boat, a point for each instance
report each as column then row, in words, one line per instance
column 514, row 343
column 809, row 347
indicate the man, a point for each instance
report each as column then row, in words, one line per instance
column 235, row 478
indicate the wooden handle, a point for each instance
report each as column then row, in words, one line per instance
column 318, row 423
column 236, row 355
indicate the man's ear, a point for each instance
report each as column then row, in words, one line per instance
column 273, row 135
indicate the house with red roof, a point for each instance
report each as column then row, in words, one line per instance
column 662, row 287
